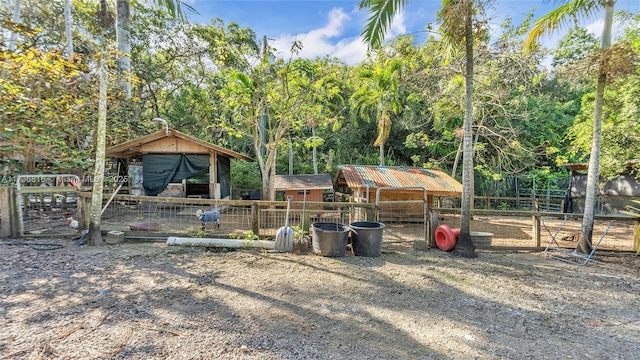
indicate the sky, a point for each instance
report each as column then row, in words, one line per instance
column 332, row 28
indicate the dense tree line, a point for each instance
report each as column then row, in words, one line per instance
column 403, row 105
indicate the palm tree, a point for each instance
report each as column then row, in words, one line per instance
column 562, row 15
column 457, row 23
column 378, row 95
column 94, row 236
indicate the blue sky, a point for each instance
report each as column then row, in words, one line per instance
column 333, row 27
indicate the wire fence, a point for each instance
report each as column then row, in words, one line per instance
column 46, row 213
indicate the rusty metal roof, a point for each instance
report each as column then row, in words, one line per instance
column 435, row 181
column 302, row 182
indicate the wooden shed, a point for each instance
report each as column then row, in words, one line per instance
column 613, row 195
column 176, row 164
column 395, row 183
column 315, row 186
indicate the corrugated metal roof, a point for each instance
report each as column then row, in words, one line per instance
column 302, row 182
column 435, row 181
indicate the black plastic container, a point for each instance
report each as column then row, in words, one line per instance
column 366, row 238
column 329, row 239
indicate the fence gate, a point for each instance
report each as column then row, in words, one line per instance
column 405, row 220
column 44, row 203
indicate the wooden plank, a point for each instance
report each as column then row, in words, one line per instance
column 47, row 189
column 173, row 145
column 5, row 212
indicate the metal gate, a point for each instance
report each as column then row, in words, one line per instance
column 45, row 203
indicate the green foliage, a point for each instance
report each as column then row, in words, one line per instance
column 215, row 81
column 245, row 175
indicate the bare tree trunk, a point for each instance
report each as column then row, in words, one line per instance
column 123, row 27
column 584, row 245
column 67, row 28
column 464, row 244
column 290, row 156
column 455, row 162
column 13, row 38
column 95, row 216
column 315, row 152
column 381, row 154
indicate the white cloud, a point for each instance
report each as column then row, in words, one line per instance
column 318, row 42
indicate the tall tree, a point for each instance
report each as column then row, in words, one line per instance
column 123, row 27
column 94, row 236
column 549, row 22
column 457, row 24
column 378, row 97
column 266, row 102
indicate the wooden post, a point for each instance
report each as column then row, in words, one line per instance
column 214, row 191
column 83, row 211
column 5, row 212
column 535, row 219
column 15, row 212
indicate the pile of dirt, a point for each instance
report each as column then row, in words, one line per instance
column 153, row 301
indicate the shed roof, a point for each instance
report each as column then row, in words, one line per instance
column 435, row 181
column 574, row 167
column 168, row 142
column 302, row 182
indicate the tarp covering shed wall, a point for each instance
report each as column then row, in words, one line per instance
column 161, row 169
column 224, row 176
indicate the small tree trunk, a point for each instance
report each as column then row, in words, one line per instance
column 124, row 44
column 315, row 152
column 13, row 38
column 290, row 156
column 67, row 28
column 455, row 162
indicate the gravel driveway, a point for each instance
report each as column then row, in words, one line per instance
column 153, row 301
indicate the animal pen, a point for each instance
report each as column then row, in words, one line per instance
column 42, row 212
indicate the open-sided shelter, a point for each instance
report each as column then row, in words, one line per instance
column 315, row 186
column 176, row 164
column 396, row 183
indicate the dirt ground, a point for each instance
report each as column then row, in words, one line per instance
column 153, row 301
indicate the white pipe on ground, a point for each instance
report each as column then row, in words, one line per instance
column 230, row 243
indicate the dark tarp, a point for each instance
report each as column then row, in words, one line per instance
column 159, row 170
column 224, row 176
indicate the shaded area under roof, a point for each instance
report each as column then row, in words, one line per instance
column 302, row 182
column 171, row 142
column 435, row 181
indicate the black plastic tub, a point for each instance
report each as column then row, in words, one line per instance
column 366, row 238
column 329, row 239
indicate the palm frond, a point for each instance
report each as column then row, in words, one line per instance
column 175, row 8
column 381, row 13
column 560, row 17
